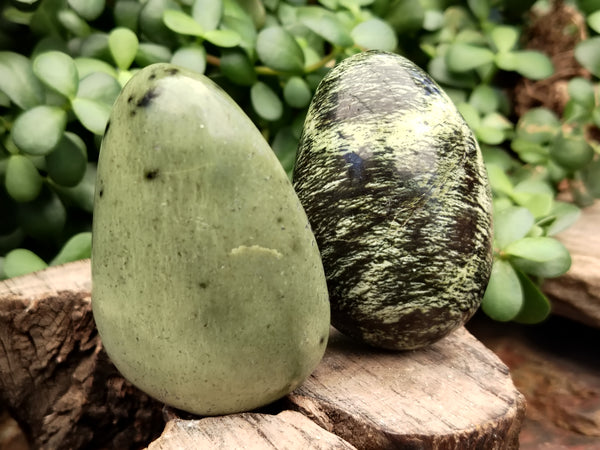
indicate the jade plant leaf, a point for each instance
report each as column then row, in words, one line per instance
column 511, row 224
column 92, row 114
column 587, row 53
column 536, row 306
column 375, row 34
column 58, row 71
column 462, row 57
column 265, row 102
column 123, row 44
column 18, row 81
column 278, row 49
column 540, row 256
column 503, row 297
column 207, row 13
column 38, row 130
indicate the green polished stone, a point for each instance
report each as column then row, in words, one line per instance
column 208, row 289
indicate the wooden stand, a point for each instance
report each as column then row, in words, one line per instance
column 60, row 386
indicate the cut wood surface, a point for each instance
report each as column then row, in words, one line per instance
column 576, row 294
column 58, row 383
column 286, row 430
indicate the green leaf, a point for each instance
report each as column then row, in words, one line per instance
column 463, row 57
column 38, row 130
column 182, row 23
column 582, row 91
column 149, row 53
column 126, row 14
column 237, row 67
column 265, row 102
column 192, row 58
column 587, row 53
column 207, row 13
column 591, row 177
column 99, row 86
column 18, row 81
column 22, row 181
column 92, row 114
column 76, row 248
column 571, row 152
column 66, row 164
column 74, row 23
column 58, row 71
column 296, row 93
column 325, row 24
column 223, row 38
column 21, row 261
column 406, row 16
column 82, row 195
column 511, row 224
column 375, row 34
column 86, row 66
column 540, row 256
column 503, row 297
column 539, row 203
column 43, row 218
column 279, row 50
column 470, row 114
column 593, row 21
column 480, row 8
column 485, row 99
column 151, row 22
column 490, row 135
column 536, row 306
column 499, row 181
column 504, row 37
column 565, row 215
column 532, row 64
column 538, row 125
column 123, row 45
column 88, row 9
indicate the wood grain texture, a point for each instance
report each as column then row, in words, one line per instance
column 55, row 377
column 576, row 294
column 394, row 185
column 455, row 394
column 287, row 430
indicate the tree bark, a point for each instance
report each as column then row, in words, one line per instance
column 57, row 381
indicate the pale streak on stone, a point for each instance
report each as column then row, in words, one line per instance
column 256, row 249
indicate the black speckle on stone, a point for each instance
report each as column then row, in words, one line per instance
column 101, row 193
column 152, row 77
column 173, row 71
column 322, row 340
column 203, row 285
column 150, row 95
column 151, row 174
column 130, row 99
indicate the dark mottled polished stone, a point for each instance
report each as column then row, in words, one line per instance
column 394, row 185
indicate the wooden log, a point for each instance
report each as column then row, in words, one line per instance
column 59, row 384
column 287, row 430
column 55, row 378
column 576, row 294
column 455, row 394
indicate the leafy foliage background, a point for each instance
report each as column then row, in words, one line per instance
column 63, row 63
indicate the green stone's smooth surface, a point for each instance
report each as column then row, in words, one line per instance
column 208, row 288
column 393, row 182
